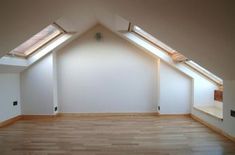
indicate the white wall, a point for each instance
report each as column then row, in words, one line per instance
column 109, row 75
column 9, row 92
column 105, row 76
column 203, row 91
column 175, row 91
column 229, row 104
column 37, row 88
column 227, row 124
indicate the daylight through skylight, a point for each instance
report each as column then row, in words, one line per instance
column 36, row 41
column 175, row 56
column 152, row 39
column 205, row 72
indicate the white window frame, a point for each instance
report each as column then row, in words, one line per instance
column 31, row 50
column 143, row 34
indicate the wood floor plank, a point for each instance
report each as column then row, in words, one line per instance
column 116, row 135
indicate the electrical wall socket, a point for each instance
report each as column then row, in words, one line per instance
column 233, row 113
column 158, row 108
column 15, row 103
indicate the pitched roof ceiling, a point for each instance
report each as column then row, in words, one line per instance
column 201, row 30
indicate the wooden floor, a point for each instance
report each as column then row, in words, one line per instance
column 117, row 135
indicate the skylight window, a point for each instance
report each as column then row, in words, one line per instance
column 204, row 72
column 153, row 40
column 37, row 41
column 175, row 56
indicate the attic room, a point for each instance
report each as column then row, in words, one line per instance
column 117, row 77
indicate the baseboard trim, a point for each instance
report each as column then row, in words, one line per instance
column 212, row 127
column 31, row 117
column 106, row 114
column 174, row 115
column 28, row 117
column 10, row 121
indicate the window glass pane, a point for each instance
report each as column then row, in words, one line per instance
column 36, row 41
column 152, row 39
column 204, row 72
column 177, row 57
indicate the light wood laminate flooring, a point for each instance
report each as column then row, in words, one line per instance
column 114, row 135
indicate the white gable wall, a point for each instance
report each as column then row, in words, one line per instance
column 109, row 75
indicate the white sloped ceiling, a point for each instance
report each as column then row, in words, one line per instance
column 201, row 30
